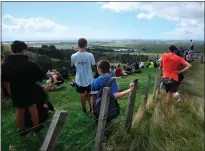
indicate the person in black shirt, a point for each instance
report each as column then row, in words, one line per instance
column 22, row 74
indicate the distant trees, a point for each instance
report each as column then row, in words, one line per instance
column 6, row 49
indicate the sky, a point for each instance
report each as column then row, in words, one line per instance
column 102, row 20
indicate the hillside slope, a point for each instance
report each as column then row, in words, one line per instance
column 178, row 128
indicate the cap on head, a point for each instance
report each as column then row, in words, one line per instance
column 173, row 48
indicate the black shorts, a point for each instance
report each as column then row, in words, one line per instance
column 80, row 89
column 22, row 103
column 172, row 87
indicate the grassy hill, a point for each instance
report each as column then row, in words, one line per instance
column 178, row 128
column 78, row 131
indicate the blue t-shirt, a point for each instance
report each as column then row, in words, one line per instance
column 100, row 82
column 83, row 61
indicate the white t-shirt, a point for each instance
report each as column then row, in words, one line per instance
column 141, row 64
column 192, row 43
column 83, row 61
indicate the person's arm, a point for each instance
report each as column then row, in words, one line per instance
column 72, row 61
column 118, row 95
column 92, row 60
column 54, row 80
column 186, row 64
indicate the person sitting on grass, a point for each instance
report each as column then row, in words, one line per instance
column 55, row 81
column 141, row 65
column 118, row 72
column 97, row 85
column 22, row 74
column 112, row 71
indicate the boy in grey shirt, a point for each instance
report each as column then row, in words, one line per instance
column 83, row 62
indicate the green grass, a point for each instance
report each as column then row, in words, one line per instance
column 178, row 128
column 78, row 129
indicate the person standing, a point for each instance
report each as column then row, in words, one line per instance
column 22, row 74
column 83, row 62
column 170, row 63
column 192, row 44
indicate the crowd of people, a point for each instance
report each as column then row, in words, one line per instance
column 21, row 80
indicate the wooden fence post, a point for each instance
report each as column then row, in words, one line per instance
column 102, row 119
column 130, row 107
column 156, row 83
column 202, row 58
column 53, row 133
column 147, row 89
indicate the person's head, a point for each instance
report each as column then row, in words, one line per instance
column 103, row 67
column 2, row 58
column 112, row 67
column 173, row 49
column 191, row 40
column 82, row 43
column 19, row 47
column 118, row 65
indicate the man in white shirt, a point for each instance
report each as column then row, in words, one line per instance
column 83, row 62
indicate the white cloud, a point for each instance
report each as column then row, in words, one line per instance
column 189, row 16
column 34, row 28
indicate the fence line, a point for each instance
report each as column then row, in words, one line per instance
column 54, row 131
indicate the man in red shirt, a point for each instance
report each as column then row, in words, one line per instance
column 170, row 64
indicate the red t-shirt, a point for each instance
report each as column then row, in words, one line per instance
column 170, row 64
column 118, row 72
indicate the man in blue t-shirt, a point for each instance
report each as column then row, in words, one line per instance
column 83, row 62
column 103, row 67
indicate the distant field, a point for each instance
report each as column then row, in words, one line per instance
column 150, row 46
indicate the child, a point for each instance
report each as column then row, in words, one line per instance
column 103, row 70
column 83, row 62
column 21, row 74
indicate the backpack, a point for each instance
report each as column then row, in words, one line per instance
column 113, row 107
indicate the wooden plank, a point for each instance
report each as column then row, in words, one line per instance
column 147, row 89
column 102, row 119
column 156, row 83
column 54, row 131
column 130, row 107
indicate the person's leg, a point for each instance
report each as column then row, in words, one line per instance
column 34, row 114
column 89, row 97
column 169, row 98
column 83, row 101
column 20, row 118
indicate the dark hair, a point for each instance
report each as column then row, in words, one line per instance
column 104, row 66
column 118, row 65
column 173, row 48
column 82, row 42
column 18, row 46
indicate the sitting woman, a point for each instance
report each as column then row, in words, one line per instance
column 55, row 81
